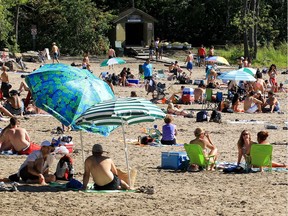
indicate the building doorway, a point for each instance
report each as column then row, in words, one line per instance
column 134, row 34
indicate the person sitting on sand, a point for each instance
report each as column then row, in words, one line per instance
column 133, row 94
column 272, row 102
column 251, row 104
column 103, row 171
column 14, row 103
column 199, row 92
column 175, row 110
column 282, row 89
column 236, row 103
column 169, row 132
column 176, row 96
column 35, row 168
column 203, row 139
column 262, row 139
column 259, row 84
column 16, row 138
column 244, row 145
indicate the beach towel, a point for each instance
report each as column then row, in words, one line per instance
column 245, row 122
column 89, row 190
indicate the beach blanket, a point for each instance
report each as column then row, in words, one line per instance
column 226, row 165
column 89, row 190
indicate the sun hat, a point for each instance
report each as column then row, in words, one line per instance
column 97, row 148
column 46, row 143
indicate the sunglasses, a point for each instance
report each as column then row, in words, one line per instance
column 244, row 134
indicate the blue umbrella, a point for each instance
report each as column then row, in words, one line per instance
column 66, row 92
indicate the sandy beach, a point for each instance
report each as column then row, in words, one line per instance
column 176, row 193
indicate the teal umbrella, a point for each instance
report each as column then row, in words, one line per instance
column 112, row 61
column 66, row 92
column 237, row 75
column 251, row 71
column 120, row 111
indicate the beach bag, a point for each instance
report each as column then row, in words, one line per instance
column 202, row 116
column 216, row 116
column 145, row 140
column 64, row 169
column 151, row 86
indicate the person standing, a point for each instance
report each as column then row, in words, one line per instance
column 189, row 60
column 103, row 171
column 111, row 54
column 211, row 51
column 201, row 55
column 157, row 47
column 55, row 52
column 5, row 86
column 148, row 72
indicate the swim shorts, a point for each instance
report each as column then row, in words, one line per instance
column 31, row 148
column 189, row 65
column 56, row 55
column 25, row 175
column 113, row 185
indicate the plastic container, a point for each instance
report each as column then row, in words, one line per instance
column 172, row 160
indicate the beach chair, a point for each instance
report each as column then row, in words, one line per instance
column 261, row 155
column 196, row 156
column 208, row 102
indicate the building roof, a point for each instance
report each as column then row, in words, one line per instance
column 132, row 11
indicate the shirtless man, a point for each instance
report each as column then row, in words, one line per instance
column 189, row 60
column 111, row 54
column 251, row 104
column 55, row 52
column 16, row 138
column 199, row 92
column 14, row 103
column 103, row 171
column 5, row 86
column 272, row 102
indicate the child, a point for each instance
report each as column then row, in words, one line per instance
column 64, row 170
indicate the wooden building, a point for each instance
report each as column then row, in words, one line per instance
column 132, row 27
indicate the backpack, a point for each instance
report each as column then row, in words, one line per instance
column 202, row 116
column 64, row 170
column 216, row 116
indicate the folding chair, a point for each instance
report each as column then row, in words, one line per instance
column 261, row 155
column 196, row 156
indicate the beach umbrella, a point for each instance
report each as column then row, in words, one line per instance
column 120, row 111
column 237, row 75
column 66, row 92
column 112, row 61
column 217, row 59
column 251, row 71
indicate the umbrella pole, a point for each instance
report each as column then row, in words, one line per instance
column 83, row 156
column 126, row 154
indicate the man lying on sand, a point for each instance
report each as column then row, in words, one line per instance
column 16, row 138
column 103, row 171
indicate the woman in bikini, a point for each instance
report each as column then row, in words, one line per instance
column 272, row 77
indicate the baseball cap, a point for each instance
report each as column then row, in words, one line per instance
column 46, row 143
column 97, row 148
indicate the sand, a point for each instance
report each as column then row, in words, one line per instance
column 176, row 193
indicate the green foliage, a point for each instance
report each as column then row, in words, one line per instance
column 5, row 22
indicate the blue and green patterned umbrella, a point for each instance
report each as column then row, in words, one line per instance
column 66, row 92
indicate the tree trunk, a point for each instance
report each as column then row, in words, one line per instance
column 17, row 23
column 245, row 37
column 255, row 30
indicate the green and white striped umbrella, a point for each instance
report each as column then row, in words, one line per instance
column 112, row 61
column 120, row 111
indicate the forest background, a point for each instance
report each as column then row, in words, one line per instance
column 252, row 28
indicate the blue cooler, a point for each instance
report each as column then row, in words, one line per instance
column 173, row 160
column 135, row 81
